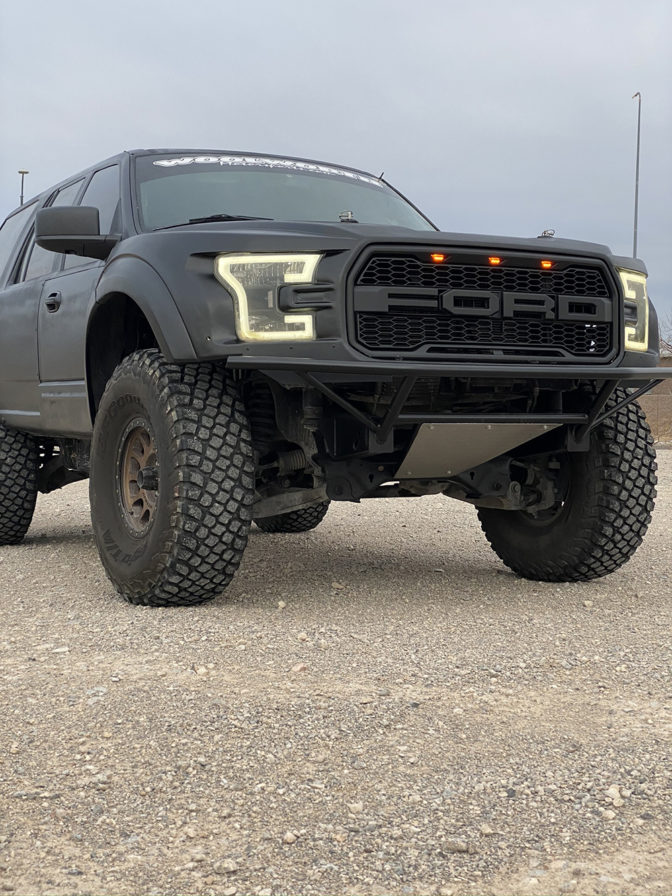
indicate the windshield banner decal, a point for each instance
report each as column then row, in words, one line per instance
column 264, row 162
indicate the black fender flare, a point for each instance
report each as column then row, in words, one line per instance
column 135, row 278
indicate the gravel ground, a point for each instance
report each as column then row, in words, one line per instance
column 375, row 707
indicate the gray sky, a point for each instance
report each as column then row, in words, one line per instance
column 494, row 117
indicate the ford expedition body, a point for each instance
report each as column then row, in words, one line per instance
column 217, row 338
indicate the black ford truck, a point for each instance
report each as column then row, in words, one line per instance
column 217, row 338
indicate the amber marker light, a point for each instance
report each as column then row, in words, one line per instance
column 495, row 259
column 547, row 265
column 437, row 257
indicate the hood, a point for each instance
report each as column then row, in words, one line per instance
column 306, row 236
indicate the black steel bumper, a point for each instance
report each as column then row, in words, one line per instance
column 323, row 374
column 374, row 368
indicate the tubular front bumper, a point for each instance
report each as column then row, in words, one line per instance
column 322, row 374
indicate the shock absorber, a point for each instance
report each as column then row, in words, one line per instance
column 261, row 414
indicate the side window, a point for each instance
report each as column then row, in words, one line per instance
column 40, row 261
column 103, row 193
column 67, row 195
column 10, row 232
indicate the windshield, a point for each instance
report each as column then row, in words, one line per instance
column 178, row 189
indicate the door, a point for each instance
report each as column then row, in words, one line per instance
column 61, row 322
column 65, row 305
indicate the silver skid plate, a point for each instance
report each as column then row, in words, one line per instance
column 446, row 449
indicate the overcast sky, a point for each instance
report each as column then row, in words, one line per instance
column 494, row 117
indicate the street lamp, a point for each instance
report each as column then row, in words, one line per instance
column 23, row 173
column 637, row 95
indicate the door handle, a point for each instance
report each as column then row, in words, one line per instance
column 53, row 302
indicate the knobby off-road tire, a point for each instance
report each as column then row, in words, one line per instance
column 296, row 520
column 172, row 480
column 604, row 517
column 18, row 484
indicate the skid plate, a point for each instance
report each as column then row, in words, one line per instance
column 447, row 449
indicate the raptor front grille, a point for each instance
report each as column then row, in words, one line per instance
column 408, row 332
column 405, row 303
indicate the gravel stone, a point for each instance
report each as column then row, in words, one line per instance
column 453, row 845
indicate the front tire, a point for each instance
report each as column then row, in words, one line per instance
column 296, row 520
column 610, row 492
column 172, row 481
column 18, row 484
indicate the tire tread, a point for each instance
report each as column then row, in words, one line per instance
column 18, row 484
column 296, row 520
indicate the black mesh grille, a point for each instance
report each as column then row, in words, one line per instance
column 406, row 271
column 554, row 323
column 407, row 332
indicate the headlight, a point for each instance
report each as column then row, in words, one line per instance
column 254, row 281
column 636, row 310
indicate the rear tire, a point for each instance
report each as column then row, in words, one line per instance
column 18, row 484
column 605, row 513
column 172, row 480
column 296, row 520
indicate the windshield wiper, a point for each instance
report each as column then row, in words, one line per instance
column 209, row 218
column 227, row 218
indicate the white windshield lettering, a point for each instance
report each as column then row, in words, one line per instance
column 264, row 162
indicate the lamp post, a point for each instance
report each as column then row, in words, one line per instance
column 638, row 96
column 23, row 173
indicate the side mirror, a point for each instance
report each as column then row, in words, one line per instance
column 74, row 230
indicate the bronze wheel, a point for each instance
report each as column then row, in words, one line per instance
column 138, row 477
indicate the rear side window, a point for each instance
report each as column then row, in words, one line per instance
column 10, row 232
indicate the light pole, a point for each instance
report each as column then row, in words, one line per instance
column 23, row 173
column 637, row 95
